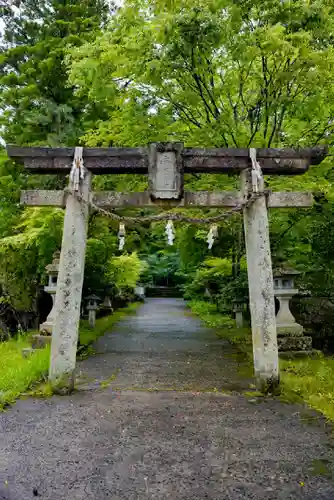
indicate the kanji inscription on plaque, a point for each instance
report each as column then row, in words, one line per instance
column 165, row 173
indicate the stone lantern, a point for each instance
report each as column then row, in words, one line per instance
column 52, row 272
column 92, row 306
column 289, row 333
column 238, row 309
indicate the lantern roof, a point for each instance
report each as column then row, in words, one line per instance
column 93, row 297
column 285, row 272
column 53, row 268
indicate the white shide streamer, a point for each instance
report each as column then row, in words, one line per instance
column 170, row 232
column 121, row 236
column 212, row 234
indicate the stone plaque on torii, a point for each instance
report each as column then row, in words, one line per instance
column 166, row 164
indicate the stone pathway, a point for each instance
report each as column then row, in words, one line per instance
column 164, row 347
column 144, row 426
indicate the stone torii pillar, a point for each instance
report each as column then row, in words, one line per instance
column 69, row 288
column 166, row 164
column 261, row 289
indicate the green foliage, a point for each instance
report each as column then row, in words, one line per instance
column 223, row 74
column 25, row 253
column 214, row 280
column 124, row 272
column 38, row 106
column 208, row 312
column 18, row 374
column 211, row 276
column 210, row 73
column 161, row 268
column 224, row 324
column 214, row 73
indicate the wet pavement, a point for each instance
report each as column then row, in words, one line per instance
column 148, row 423
column 162, row 347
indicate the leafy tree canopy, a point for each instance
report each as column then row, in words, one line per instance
column 37, row 104
column 214, row 73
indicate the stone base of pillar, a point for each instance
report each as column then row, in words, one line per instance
column 40, row 341
column 267, row 385
column 294, row 330
column 63, row 385
column 290, row 355
column 290, row 337
column 287, row 343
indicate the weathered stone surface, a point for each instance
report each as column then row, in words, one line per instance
column 239, row 319
column 284, row 289
column 136, row 160
column 27, row 352
column 52, row 271
column 214, row 199
column 69, row 289
column 165, row 171
column 294, row 343
column 292, row 330
column 92, row 317
column 43, row 198
column 316, row 314
column 40, row 341
column 285, row 321
column 261, row 289
column 290, row 199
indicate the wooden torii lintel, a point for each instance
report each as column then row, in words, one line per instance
column 166, row 164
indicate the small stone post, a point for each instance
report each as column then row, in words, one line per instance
column 238, row 308
column 69, row 289
column 92, row 307
column 261, row 289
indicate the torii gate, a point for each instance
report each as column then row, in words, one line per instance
column 166, row 164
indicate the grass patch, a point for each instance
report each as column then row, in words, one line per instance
column 223, row 324
column 321, row 467
column 18, row 374
column 87, row 335
column 311, row 381
column 208, row 313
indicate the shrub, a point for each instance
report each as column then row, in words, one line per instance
column 124, row 272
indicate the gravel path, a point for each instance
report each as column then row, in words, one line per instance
column 143, row 426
